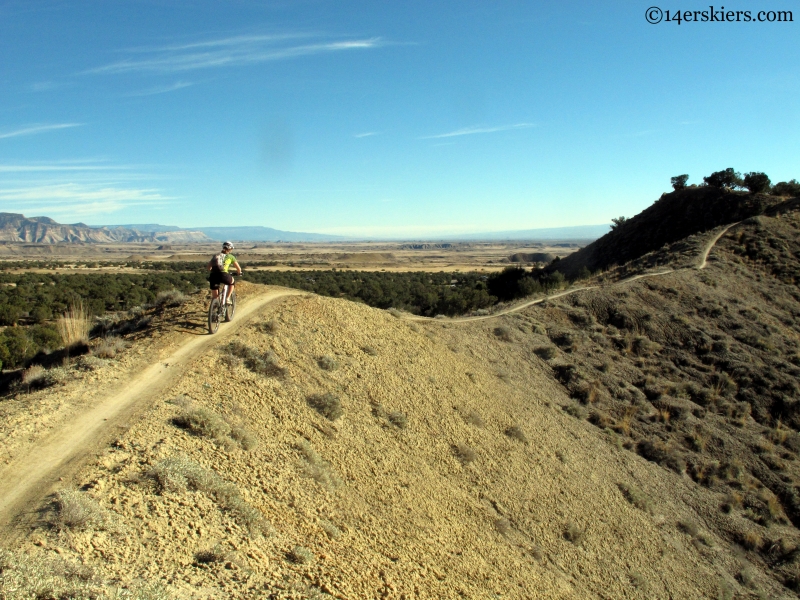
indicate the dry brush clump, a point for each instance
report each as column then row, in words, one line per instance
column 208, row 424
column 515, row 432
column 327, row 363
column 108, row 347
column 37, row 377
column 170, row 298
column 77, row 510
column 465, row 454
column 318, row 468
column 263, row 363
column 178, row 474
column 327, row 404
column 636, row 497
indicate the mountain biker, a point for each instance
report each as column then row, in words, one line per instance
column 219, row 266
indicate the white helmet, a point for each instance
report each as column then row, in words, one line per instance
column 227, row 246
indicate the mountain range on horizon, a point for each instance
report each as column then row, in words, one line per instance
column 15, row 227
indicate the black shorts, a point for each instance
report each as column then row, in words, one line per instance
column 218, row 278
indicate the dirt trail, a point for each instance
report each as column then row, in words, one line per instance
column 30, row 477
column 701, row 264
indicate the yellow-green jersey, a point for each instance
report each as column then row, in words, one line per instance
column 222, row 262
column 227, row 262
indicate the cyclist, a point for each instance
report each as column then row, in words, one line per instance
column 219, row 266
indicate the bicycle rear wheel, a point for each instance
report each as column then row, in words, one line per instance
column 213, row 315
column 231, row 307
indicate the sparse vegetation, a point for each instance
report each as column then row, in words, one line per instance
column 178, row 474
column 465, row 454
column 317, row 468
column 77, row 510
column 208, row 424
column 327, row 404
column 503, row 333
column 636, row 497
column 515, row 432
column 574, row 533
column 301, row 555
column 108, row 347
column 503, row 526
column 398, row 419
column 327, row 363
column 169, row 298
column 263, row 363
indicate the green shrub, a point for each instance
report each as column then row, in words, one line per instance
column 756, row 182
column 679, row 182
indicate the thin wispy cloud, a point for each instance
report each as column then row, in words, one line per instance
column 37, row 129
column 366, row 134
column 227, row 52
column 475, row 130
column 54, row 168
column 77, row 188
column 74, row 198
column 166, row 89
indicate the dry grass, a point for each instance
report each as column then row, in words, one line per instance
column 265, row 363
column 170, row 298
column 178, row 474
column 327, row 404
column 515, row 432
column 317, row 468
column 398, row 419
column 465, row 454
column 74, row 326
column 203, row 422
column 76, row 510
column 502, row 526
column 109, row 347
column 636, row 497
column 34, row 375
column 546, row 352
column 208, row 424
column 574, row 533
column 24, row 576
column 270, row 326
column 503, row 333
column 328, row 363
column 331, row 530
column 473, row 417
column 301, row 555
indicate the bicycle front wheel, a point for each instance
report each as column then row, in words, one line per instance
column 231, row 307
column 213, row 316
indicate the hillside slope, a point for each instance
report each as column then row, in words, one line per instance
column 669, row 219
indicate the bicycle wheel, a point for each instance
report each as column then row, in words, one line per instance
column 213, row 316
column 231, row 307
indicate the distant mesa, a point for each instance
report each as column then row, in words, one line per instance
column 443, row 246
column 44, row 230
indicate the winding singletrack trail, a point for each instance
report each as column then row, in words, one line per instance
column 32, row 475
column 701, row 264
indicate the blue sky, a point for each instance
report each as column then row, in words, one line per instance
column 381, row 118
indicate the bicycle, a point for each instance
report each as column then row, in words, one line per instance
column 219, row 310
